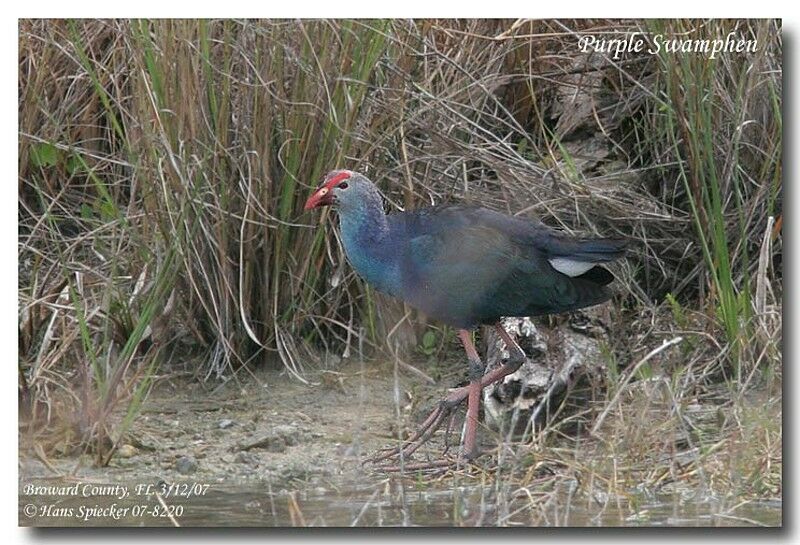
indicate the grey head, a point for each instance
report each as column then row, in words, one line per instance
column 348, row 191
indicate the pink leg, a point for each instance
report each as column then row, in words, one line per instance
column 474, row 395
column 447, row 406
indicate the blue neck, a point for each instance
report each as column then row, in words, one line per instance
column 367, row 240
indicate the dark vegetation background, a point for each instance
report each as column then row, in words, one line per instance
column 163, row 166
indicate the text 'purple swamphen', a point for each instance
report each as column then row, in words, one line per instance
column 465, row 266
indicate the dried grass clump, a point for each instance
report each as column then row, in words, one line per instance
column 164, row 164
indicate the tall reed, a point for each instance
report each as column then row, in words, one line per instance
column 163, row 167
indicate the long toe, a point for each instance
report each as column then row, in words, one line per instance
column 438, row 416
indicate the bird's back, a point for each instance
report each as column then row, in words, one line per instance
column 468, row 265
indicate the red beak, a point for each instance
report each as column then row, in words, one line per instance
column 322, row 197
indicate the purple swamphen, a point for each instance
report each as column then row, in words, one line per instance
column 465, row 266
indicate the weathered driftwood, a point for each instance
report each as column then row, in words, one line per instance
column 556, row 356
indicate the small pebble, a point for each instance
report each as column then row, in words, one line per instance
column 127, row 451
column 245, row 458
column 225, row 423
column 276, row 445
column 186, row 465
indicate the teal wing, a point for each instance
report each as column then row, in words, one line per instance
column 469, row 274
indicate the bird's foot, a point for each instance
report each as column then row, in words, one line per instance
column 432, row 423
column 432, row 466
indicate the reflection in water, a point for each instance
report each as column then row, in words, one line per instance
column 44, row 502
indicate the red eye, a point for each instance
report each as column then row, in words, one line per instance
column 343, row 185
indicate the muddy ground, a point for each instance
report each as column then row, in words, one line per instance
column 267, row 425
column 276, row 452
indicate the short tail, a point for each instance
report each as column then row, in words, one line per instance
column 579, row 257
column 591, row 250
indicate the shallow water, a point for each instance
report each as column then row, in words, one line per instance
column 313, row 476
column 388, row 502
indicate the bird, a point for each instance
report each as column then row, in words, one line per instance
column 465, row 266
